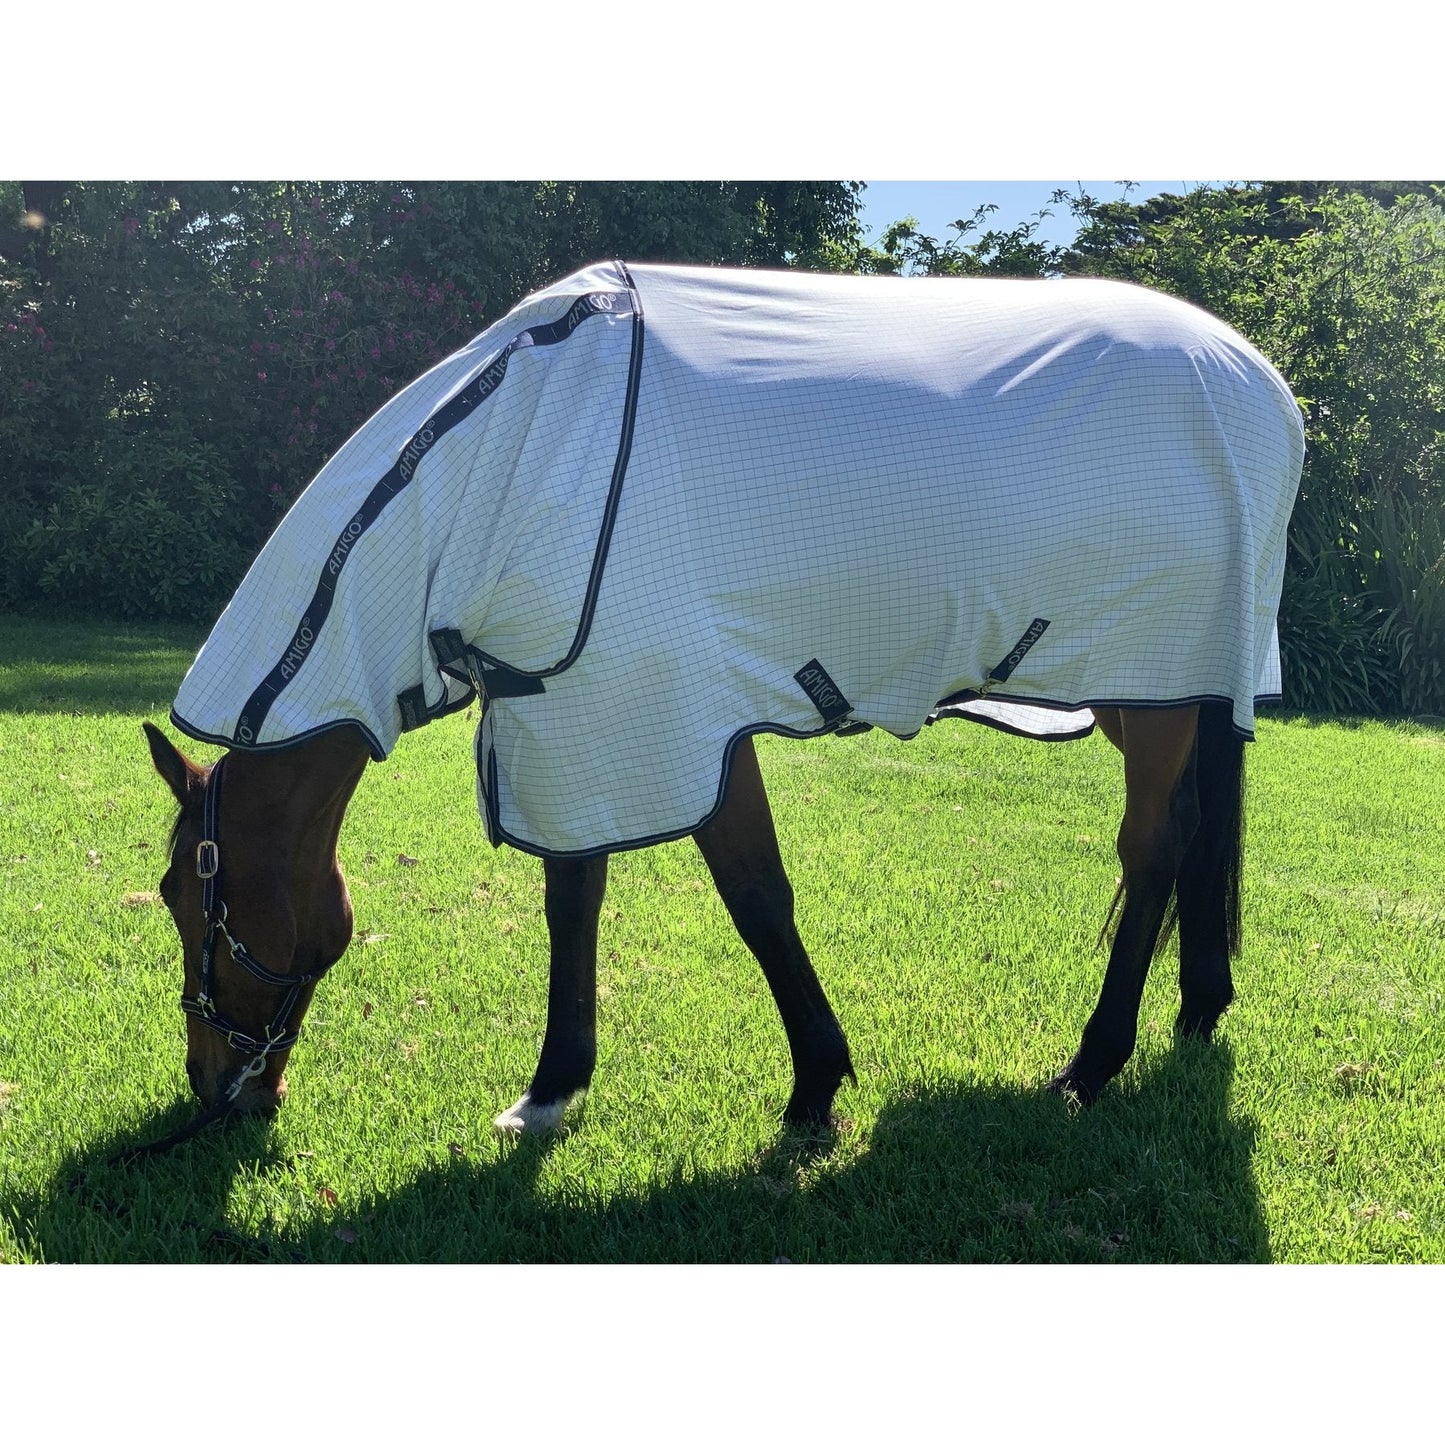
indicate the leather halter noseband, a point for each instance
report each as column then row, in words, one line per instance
column 277, row 1034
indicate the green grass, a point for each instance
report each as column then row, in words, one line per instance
column 950, row 890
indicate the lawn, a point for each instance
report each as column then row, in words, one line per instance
column 950, row 890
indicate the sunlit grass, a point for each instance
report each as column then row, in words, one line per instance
column 950, row 890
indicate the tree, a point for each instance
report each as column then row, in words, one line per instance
column 1343, row 287
column 177, row 359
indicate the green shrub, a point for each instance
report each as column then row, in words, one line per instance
column 178, row 360
column 1346, row 295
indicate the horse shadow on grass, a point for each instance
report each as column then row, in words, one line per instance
column 951, row 1173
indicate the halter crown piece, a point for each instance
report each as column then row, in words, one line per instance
column 277, row 1034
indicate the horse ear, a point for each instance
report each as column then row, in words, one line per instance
column 172, row 764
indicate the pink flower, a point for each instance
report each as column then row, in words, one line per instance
column 255, row 264
column 260, row 376
column 275, row 489
column 131, row 225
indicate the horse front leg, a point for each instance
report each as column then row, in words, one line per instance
column 575, row 889
column 1161, row 814
column 740, row 847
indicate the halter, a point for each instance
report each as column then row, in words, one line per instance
column 277, row 1034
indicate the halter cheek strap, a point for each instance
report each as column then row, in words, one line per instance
column 278, row 1034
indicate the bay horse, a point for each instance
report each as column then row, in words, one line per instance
column 655, row 511
column 271, row 854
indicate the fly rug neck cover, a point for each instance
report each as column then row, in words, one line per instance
column 657, row 508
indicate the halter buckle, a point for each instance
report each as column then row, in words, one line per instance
column 208, row 859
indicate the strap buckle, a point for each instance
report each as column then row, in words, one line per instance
column 208, row 859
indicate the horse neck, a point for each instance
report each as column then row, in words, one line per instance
column 296, row 798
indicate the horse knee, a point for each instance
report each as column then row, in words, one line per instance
column 761, row 907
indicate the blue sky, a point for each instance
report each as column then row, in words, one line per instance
column 937, row 203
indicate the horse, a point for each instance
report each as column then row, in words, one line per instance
column 805, row 484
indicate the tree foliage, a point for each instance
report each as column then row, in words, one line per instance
column 1343, row 288
column 177, row 359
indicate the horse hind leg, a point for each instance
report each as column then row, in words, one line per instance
column 575, row 889
column 1207, row 891
column 1161, row 815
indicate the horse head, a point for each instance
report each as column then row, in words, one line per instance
column 258, row 898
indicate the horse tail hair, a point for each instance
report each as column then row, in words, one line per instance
column 1106, row 932
column 1207, row 892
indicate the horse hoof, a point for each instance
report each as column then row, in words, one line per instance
column 527, row 1117
column 1197, row 1025
column 811, row 1104
column 1069, row 1084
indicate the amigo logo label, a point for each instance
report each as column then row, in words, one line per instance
column 344, row 543
column 296, row 653
column 416, row 449
column 1036, row 630
column 823, row 692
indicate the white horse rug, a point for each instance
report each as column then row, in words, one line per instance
column 655, row 509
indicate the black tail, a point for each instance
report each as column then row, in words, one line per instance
column 1210, row 872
